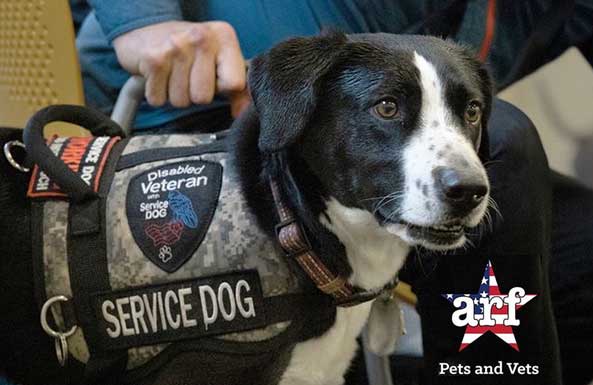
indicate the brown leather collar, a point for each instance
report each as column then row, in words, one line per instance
column 295, row 244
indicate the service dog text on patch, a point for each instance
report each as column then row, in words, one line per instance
column 180, row 310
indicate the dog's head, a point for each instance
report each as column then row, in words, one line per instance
column 393, row 127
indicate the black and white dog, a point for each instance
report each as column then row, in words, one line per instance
column 378, row 140
column 381, row 139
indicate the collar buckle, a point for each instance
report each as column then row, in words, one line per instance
column 292, row 237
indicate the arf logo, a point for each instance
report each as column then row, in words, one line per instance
column 488, row 310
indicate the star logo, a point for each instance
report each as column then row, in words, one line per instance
column 488, row 310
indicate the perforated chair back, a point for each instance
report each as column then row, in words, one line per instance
column 38, row 61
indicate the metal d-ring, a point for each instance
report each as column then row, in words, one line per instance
column 60, row 338
column 8, row 154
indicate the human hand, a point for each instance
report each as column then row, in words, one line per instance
column 185, row 62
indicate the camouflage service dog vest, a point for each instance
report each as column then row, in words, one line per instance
column 157, row 257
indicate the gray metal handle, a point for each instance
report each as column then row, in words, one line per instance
column 128, row 100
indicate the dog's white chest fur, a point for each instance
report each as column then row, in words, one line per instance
column 324, row 360
column 374, row 254
column 375, row 257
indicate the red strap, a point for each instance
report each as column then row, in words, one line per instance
column 489, row 32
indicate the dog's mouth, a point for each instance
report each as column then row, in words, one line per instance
column 441, row 236
column 450, row 233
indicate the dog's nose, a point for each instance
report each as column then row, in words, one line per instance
column 462, row 190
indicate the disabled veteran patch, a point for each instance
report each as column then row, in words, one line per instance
column 170, row 208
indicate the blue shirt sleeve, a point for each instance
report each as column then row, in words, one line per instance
column 117, row 17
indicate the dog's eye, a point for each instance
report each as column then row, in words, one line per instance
column 386, row 109
column 473, row 112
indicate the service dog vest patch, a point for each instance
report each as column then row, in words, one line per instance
column 194, row 308
column 85, row 156
column 169, row 209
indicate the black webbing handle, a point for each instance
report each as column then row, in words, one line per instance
column 38, row 151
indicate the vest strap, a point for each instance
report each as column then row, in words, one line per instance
column 87, row 264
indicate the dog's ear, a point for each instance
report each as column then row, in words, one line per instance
column 283, row 85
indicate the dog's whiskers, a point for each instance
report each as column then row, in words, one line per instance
column 491, row 162
column 487, row 223
column 418, row 254
column 398, row 212
column 468, row 243
column 388, row 201
column 421, row 253
column 492, row 204
column 380, row 197
column 384, row 200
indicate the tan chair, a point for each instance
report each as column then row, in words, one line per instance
column 38, row 62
